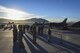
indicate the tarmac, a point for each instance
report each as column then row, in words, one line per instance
column 43, row 46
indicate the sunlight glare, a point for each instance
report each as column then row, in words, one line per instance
column 15, row 14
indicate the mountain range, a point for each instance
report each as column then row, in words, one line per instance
column 32, row 20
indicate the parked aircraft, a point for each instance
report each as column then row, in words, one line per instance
column 62, row 24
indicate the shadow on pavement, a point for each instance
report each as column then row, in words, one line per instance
column 17, row 49
column 44, row 39
column 63, row 43
column 33, row 49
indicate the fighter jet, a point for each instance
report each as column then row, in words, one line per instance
column 59, row 25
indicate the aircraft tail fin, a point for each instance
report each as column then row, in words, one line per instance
column 64, row 21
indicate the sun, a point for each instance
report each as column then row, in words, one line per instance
column 15, row 14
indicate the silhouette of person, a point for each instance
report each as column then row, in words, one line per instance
column 30, row 30
column 20, row 35
column 38, row 29
column 49, row 34
column 14, row 33
column 24, row 29
column 27, row 27
column 42, row 29
column 34, row 33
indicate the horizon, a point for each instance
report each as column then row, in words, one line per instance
column 11, row 20
column 55, row 10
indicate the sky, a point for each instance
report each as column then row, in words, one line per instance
column 53, row 10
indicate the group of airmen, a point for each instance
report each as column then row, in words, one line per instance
column 35, row 30
column 18, row 34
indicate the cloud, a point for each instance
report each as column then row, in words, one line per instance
column 15, row 14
